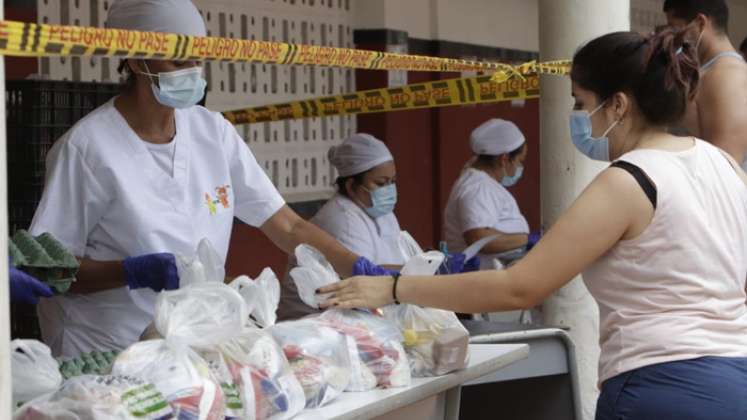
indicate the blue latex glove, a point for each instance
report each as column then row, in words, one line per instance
column 155, row 271
column 455, row 264
column 26, row 289
column 534, row 237
column 364, row 267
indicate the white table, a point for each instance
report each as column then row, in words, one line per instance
column 425, row 397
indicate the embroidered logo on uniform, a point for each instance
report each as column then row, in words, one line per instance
column 222, row 199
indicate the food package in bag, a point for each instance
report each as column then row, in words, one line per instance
column 252, row 369
column 256, row 378
column 312, row 272
column 34, row 371
column 435, row 341
column 319, row 357
column 378, row 349
column 91, row 397
column 193, row 318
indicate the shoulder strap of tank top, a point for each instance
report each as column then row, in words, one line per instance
column 643, row 180
column 708, row 64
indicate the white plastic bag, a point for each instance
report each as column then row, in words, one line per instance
column 90, row 397
column 435, row 341
column 378, row 348
column 252, row 369
column 205, row 265
column 408, row 246
column 313, row 271
column 35, row 371
column 196, row 317
column 261, row 296
column 258, row 381
column 319, row 357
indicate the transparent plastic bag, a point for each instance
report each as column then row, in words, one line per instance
column 251, row 368
column 313, row 271
column 205, row 265
column 200, row 316
column 261, row 296
column 408, row 246
column 256, row 378
column 435, row 341
column 319, row 357
column 378, row 348
column 35, row 371
column 90, row 397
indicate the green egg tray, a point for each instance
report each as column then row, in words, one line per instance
column 45, row 258
column 93, row 363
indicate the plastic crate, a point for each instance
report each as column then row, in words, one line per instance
column 38, row 112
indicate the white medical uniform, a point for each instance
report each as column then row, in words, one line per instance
column 375, row 239
column 108, row 196
column 479, row 201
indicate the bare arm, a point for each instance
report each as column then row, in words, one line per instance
column 287, row 230
column 97, row 276
column 504, row 242
column 722, row 108
column 611, row 208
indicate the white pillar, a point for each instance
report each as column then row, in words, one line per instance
column 564, row 26
column 5, row 386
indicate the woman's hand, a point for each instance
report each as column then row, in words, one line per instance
column 359, row 292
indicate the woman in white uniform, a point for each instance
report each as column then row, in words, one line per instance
column 479, row 204
column 144, row 177
column 360, row 215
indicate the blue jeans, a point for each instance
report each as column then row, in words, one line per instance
column 708, row 388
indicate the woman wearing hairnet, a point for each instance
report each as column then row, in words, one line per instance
column 146, row 176
column 361, row 214
column 479, row 205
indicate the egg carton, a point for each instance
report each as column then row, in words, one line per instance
column 93, row 363
column 45, row 258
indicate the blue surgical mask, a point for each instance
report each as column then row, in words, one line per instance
column 597, row 148
column 180, row 88
column 383, row 200
column 510, row 181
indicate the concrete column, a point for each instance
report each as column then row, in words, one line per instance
column 564, row 26
column 5, row 385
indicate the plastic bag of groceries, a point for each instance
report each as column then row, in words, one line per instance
column 90, row 397
column 312, row 272
column 435, row 341
column 378, row 358
column 253, row 372
column 319, row 357
column 195, row 317
column 34, row 371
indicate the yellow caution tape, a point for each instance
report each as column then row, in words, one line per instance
column 465, row 91
column 42, row 40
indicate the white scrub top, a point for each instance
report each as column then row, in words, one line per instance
column 375, row 239
column 106, row 198
column 479, row 201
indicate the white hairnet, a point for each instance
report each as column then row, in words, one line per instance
column 171, row 16
column 496, row 137
column 358, row 153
